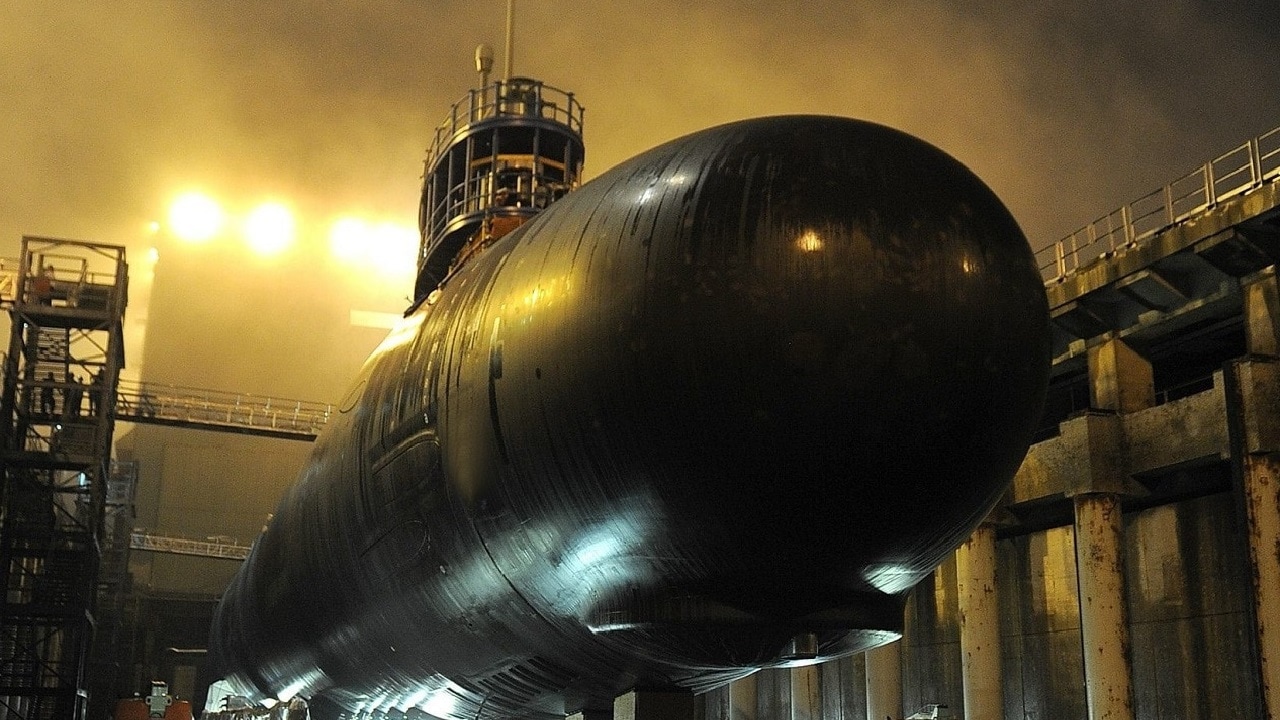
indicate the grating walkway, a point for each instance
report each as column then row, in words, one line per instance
column 220, row 411
column 222, row 548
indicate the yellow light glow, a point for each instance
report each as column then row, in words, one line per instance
column 392, row 249
column 195, row 217
column 269, row 229
column 809, row 242
column 386, row 248
column 347, row 239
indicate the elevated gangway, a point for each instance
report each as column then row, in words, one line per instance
column 220, row 411
column 215, row 547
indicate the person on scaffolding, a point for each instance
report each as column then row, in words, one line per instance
column 47, row 395
column 96, row 387
column 42, row 286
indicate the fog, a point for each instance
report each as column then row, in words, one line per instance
column 1067, row 109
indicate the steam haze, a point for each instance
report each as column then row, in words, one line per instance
column 1067, row 109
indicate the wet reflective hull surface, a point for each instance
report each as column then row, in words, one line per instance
column 717, row 410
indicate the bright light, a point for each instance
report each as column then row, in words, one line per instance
column 269, row 228
column 195, row 217
column 388, row 248
column 392, row 249
column 441, row 703
column 347, row 239
column 809, row 242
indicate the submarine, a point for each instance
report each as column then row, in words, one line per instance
column 718, row 409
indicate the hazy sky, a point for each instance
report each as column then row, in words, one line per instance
column 1066, row 108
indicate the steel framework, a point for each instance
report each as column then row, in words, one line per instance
column 65, row 353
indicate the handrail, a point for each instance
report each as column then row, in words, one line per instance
column 222, row 548
column 479, row 194
column 531, row 98
column 154, row 401
column 1232, row 173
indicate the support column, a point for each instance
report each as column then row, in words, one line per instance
column 1262, row 313
column 1262, row 504
column 980, row 626
column 1119, row 378
column 1104, row 629
column 884, row 681
column 1253, row 396
column 806, row 692
column 742, row 698
column 654, row 705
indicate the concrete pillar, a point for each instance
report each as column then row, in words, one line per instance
column 654, row 705
column 1261, row 476
column 884, row 681
column 1119, row 378
column 1104, row 629
column 980, row 626
column 742, row 698
column 806, row 693
column 1253, row 396
column 593, row 714
column 1262, row 313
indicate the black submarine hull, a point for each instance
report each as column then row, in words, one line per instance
column 717, row 410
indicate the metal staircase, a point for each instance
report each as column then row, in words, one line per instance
column 55, row 544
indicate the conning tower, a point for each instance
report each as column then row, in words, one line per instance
column 506, row 151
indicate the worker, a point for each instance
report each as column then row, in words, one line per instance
column 42, row 286
column 73, row 397
column 46, row 395
column 96, row 387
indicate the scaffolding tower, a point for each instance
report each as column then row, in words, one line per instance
column 60, row 375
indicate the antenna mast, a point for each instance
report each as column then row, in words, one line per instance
column 511, row 21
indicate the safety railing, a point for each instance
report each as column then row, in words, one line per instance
column 530, row 192
column 225, row 548
column 1233, row 173
column 155, row 402
column 9, row 268
column 518, row 96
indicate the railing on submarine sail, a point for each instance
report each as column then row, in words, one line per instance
column 515, row 97
column 1233, row 173
column 218, row 410
column 531, row 191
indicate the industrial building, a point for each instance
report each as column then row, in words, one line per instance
column 1129, row 572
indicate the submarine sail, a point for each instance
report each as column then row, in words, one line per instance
column 659, row 433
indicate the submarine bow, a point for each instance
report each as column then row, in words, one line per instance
column 719, row 409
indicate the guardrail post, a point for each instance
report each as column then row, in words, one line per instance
column 1168, row 204
column 1255, row 164
column 1210, row 192
column 1126, row 220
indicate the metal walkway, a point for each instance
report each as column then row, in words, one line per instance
column 220, row 411
column 214, row 547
